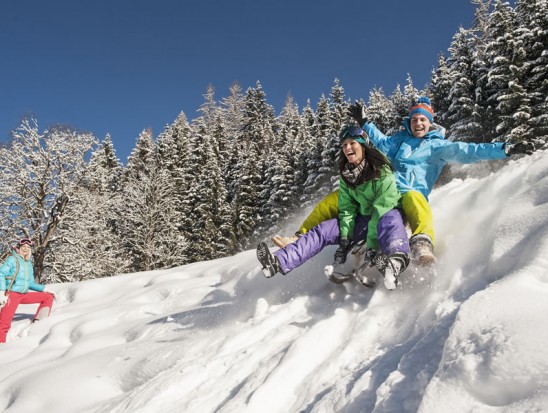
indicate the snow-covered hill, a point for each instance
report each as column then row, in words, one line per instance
column 218, row 337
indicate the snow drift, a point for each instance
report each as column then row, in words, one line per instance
column 218, row 337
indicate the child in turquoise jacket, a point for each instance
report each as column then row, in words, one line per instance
column 17, row 286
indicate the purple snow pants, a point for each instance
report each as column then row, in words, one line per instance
column 391, row 235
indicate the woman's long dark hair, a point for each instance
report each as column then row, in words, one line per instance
column 375, row 161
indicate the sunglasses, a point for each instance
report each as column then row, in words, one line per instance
column 352, row 133
column 25, row 241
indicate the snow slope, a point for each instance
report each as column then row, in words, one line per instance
column 218, row 337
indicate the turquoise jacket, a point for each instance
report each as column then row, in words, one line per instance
column 24, row 281
column 418, row 161
column 371, row 199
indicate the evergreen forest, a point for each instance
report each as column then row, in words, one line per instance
column 212, row 186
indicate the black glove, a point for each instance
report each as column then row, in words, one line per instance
column 340, row 254
column 357, row 112
column 523, row 147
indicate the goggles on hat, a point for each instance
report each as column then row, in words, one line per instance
column 353, row 132
column 25, row 241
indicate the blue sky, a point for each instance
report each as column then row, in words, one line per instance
column 120, row 66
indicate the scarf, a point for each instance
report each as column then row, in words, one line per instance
column 352, row 174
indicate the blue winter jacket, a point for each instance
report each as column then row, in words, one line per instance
column 24, row 280
column 418, row 161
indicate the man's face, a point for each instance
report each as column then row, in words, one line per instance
column 420, row 125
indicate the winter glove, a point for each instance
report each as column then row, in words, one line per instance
column 340, row 254
column 3, row 299
column 357, row 112
column 523, row 147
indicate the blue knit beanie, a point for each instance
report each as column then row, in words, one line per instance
column 423, row 107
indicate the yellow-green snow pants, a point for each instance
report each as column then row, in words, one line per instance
column 418, row 213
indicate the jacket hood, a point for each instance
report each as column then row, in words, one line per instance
column 436, row 131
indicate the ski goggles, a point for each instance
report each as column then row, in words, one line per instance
column 353, row 132
column 25, row 241
column 358, row 134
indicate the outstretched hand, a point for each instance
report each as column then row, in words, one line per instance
column 357, row 112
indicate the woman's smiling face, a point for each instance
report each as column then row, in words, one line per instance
column 353, row 151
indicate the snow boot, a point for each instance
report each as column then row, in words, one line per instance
column 270, row 263
column 422, row 250
column 281, row 241
column 391, row 266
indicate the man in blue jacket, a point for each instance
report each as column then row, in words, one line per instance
column 418, row 153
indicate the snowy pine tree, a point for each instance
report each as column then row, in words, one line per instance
column 461, row 117
column 211, row 216
column 439, row 90
column 88, row 244
column 246, row 193
column 286, row 166
column 378, row 109
column 532, row 44
column 299, row 138
column 149, row 221
column 319, row 130
column 258, row 134
column 232, row 112
column 174, row 153
column 499, row 35
column 337, row 117
column 339, row 107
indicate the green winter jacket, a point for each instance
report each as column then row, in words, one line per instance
column 371, row 199
column 24, row 280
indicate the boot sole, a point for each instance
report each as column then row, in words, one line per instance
column 265, row 258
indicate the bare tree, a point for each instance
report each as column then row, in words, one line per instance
column 40, row 173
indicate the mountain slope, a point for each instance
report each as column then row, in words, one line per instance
column 218, row 337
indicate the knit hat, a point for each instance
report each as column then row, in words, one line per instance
column 423, row 107
column 354, row 132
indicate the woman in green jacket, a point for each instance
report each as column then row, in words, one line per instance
column 367, row 202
